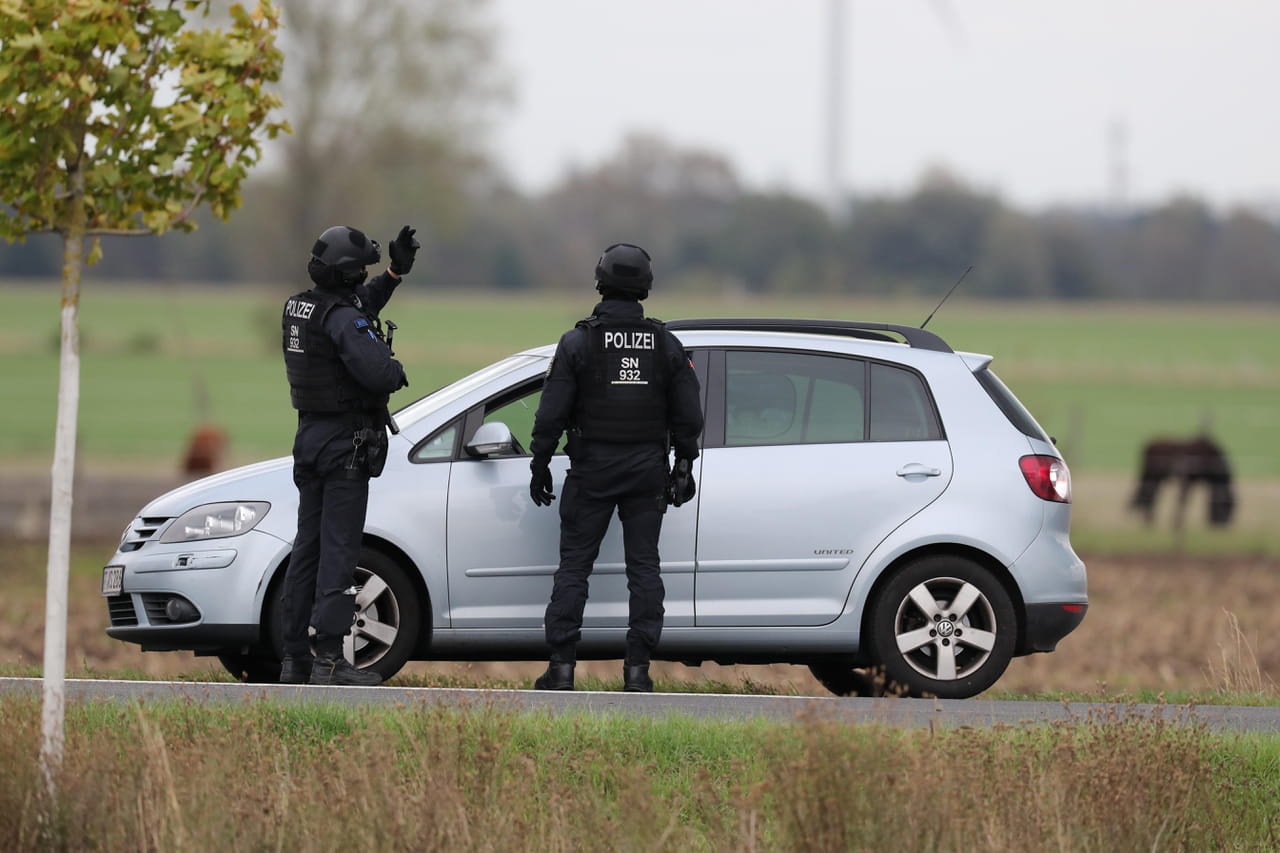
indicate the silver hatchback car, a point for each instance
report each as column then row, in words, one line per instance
column 868, row 501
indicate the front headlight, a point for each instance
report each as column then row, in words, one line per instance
column 216, row 521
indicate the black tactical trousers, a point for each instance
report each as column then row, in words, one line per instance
column 630, row 480
column 332, row 501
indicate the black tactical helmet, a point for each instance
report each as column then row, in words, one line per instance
column 625, row 267
column 345, row 249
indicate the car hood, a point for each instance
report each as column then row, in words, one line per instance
column 261, row 481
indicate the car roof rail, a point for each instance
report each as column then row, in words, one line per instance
column 915, row 337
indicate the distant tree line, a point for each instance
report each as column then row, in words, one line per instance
column 390, row 104
column 708, row 233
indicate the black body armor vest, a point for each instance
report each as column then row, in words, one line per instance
column 318, row 381
column 622, row 392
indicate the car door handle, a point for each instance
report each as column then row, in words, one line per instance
column 915, row 469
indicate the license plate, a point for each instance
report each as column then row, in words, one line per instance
column 112, row 580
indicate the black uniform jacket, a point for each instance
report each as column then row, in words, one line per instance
column 365, row 357
column 325, row 437
column 559, row 394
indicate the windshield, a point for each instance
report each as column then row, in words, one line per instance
column 419, row 409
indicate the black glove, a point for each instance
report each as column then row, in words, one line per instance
column 540, row 485
column 680, row 485
column 403, row 249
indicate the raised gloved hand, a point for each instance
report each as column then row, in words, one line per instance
column 403, row 249
column 680, row 485
column 540, row 485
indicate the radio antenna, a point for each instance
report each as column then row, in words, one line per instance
column 944, row 299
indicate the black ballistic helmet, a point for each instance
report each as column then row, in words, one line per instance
column 345, row 249
column 625, row 268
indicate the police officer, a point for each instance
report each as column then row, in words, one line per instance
column 341, row 375
column 622, row 387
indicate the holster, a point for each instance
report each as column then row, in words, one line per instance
column 369, row 452
column 375, row 448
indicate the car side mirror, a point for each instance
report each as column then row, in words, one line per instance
column 491, row 439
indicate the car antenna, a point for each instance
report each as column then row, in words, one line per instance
column 944, row 299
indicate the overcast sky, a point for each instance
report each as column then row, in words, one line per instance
column 1073, row 101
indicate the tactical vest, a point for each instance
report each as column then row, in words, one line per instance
column 622, row 390
column 318, row 381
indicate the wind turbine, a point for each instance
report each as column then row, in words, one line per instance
column 837, row 203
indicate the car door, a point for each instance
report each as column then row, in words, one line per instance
column 815, row 458
column 503, row 550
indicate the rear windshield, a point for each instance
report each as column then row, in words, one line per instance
column 1009, row 404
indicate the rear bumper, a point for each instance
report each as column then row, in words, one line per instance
column 1049, row 623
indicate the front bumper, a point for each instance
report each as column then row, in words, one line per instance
column 198, row 637
column 199, row 596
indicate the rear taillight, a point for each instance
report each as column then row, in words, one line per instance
column 1048, row 477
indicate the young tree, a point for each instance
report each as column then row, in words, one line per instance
column 118, row 119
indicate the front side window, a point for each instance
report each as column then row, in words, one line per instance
column 438, row 447
column 517, row 411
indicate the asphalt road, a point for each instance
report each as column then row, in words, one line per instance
column 905, row 713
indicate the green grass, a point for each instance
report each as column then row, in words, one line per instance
column 1102, row 378
column 169, row 775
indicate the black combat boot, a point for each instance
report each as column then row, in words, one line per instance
column 559, row 676
column 295, row 670
column 335, row 670
column 635, row 678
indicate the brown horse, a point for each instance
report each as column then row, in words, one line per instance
column 205, row 450
column 1185, row 462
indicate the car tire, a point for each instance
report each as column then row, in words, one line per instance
column 385, row 630
column 929, row 648
column 845, row 680
column 388, row 617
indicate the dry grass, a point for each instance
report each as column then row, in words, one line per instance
column 1236, row 669
column 180, row 777
column 1155, row 624
column 175, row 776
column 1173, row 624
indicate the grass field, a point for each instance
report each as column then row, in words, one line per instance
column 1186, row 629
column 176, row 776
column 317, row 777
column 1102, row 378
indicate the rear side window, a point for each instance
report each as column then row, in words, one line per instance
column 1010, row 405
column 793, row 398
column 774, row 397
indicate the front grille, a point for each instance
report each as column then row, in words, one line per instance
column 141, row 531
column 120, row 609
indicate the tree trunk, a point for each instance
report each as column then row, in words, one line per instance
column 64, row 460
